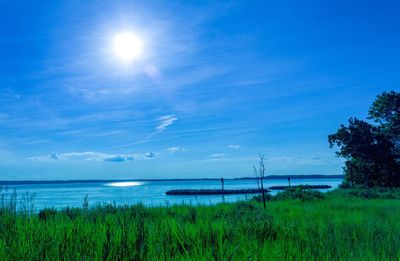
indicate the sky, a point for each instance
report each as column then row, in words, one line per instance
column 215, row 84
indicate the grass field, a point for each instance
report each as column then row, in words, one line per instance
column 341, row 226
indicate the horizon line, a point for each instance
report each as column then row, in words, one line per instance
column 77, row 181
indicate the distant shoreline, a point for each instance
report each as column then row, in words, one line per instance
column 87, row 181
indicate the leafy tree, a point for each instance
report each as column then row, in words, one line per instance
column 385, row 110
column 371, row 150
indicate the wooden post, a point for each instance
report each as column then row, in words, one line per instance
column 288, row 179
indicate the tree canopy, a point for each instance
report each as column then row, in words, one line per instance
column 371, row 148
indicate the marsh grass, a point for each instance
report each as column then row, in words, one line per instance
column 334, row 228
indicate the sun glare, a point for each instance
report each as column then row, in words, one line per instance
column 127, row 46
column 125, row 184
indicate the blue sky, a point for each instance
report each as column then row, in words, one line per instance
column 216, row 83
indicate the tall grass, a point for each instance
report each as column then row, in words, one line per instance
column 334, row 228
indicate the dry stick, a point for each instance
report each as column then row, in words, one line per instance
column 260, row 175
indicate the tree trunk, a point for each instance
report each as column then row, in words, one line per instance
column 263, row 198
column 263, row 194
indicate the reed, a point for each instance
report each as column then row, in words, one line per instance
column 337, row 227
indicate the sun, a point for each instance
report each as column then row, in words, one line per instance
column 127, row 46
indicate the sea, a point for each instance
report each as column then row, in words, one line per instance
column 149, row 193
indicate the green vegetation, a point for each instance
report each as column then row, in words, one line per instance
column 372, row 148
column 298, row 193
column 342, row 225
column 372, row 193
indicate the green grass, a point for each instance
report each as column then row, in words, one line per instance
column 337, row 227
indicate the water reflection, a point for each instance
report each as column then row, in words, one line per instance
column 124, row 184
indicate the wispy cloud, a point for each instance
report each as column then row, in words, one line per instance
column 234, row 146
column 147, row 155
column 175, row 149
column 222, row 157
column 303, row 160
column 163, row 123
column 95, row 156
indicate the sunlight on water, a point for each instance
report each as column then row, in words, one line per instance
column 125, row 184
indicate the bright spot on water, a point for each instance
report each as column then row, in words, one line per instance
column 124, row 184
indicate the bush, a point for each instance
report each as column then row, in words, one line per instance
column 298, row 193
column 47, row 213
column 368, row 193
column 258, row 198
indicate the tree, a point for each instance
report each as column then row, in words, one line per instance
column 371, row 149
column 260, row 176
column 386, row 111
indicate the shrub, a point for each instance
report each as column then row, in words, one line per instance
column 368, row 193
column 258, row 198
column 298, row 193
column 47, row 213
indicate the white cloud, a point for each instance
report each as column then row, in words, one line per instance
column 234, row 146
column 221, row 157
column 119, row 158
column 175, row 149
column 165, row 121
column 95, row 156
column 87, row 155
column 218, row 155
column 50, row 157
column 147, row 155
column 303, row 160
column 39, row 158
column 54, row 156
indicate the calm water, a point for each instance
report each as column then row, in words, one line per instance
column 151, row 193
